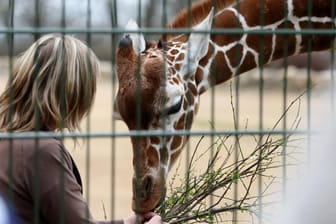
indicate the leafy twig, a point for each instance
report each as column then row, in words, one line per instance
column 189, row 201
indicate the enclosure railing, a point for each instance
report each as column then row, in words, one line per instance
column 12, row 31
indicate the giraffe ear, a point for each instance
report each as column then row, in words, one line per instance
column 199, row 42
column 138, row 40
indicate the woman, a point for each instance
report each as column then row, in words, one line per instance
column 52, row 88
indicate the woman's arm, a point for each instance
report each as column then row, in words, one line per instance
column 54, row 188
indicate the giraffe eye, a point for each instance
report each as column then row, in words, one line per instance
column 175, row 108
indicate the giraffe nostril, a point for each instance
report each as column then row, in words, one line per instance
column 147, row 185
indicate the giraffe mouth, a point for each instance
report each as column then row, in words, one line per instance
column 148, row 193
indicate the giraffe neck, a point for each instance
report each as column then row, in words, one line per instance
column 197, row 12
column 230, row 55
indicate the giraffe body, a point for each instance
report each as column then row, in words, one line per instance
column 160, row 87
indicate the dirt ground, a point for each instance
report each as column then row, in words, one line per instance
column 106, row 163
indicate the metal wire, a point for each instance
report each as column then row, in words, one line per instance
column 104, row 31
column 144, row 133
column 114, row 31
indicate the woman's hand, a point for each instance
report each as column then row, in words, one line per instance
column 149, row 218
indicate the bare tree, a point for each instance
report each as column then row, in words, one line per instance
column 4, row 12
column 45, row 13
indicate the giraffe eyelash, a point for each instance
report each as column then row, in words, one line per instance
column 175, row 108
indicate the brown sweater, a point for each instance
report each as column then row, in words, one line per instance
column 42, row 182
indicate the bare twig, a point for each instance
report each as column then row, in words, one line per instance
column 189, row 201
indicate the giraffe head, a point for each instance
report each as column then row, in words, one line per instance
column 157, row 91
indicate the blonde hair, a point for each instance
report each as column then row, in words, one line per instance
column 52, row 87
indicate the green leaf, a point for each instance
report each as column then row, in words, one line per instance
column 235, row 176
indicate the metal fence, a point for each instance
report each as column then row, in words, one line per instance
column 270, row 106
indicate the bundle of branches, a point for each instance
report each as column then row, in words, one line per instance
column 206, row 197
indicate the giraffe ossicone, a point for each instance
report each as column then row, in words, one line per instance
column 138, row 40
column 160, row 84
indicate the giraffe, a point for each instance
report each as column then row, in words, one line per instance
column 160, row 82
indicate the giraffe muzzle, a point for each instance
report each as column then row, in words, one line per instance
column 147, row 194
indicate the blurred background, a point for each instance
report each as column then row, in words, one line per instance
column 259, row 97
column 49, row 14
column 103, row 14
